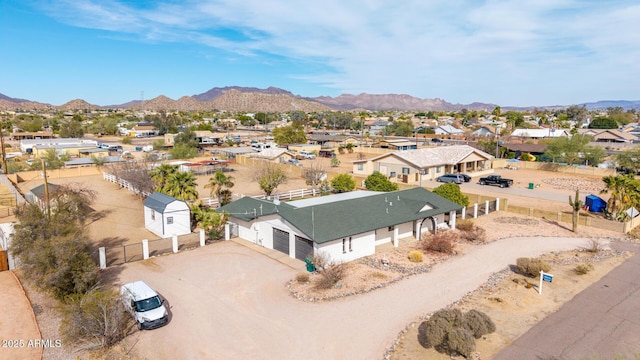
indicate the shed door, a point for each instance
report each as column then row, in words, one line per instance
column 281, row 241
column 304, row 248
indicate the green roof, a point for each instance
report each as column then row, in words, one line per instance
column 329, row 221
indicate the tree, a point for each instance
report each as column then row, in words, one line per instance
column 343, row 183
column 629, row 159
column 451, row 192
column 514, row 118
column 53, row 249
column 220, row 185
column 181, row 185
column 210, row 221
column 577, row 113
column 292, row 134
column 160, row 175
column 72, row 128
column 269, row 176
column 624, row 192
column 53, row 160
column 593, row 155
column 602, row 122
column 183, row 151
column 400, row 128
column 315, row 173
column 576, row 205
column 136, row 173
column 497, row 111
column 378, row 182
column 566, row 149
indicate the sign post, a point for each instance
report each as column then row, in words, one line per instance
column 544, row 277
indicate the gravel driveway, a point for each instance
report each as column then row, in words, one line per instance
column 230, row 302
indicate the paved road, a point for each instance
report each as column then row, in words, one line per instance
column 230, row 302
column 601, row 322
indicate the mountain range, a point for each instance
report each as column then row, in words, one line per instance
column 272, row 99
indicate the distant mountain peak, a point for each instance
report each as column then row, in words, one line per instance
column 216, row 92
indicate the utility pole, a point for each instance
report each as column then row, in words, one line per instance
column 497, row 137
column 46, row 188
column 4, row 154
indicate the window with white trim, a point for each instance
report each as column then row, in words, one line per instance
column 169, row 220
column 153, row 215
column 350, row 244
column 405, row 171
column 344, row 246
column 360, row 167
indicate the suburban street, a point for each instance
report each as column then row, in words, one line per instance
column 228, row 301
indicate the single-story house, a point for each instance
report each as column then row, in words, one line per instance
column 38, row 195
column 344, row 226
column 87, row 161
column 166, row 216
column 332, row 141
column 518, row 149
column 427, row 163
column 540, row 133
column 277, row 155
column 447, row 130
column 609, row 135
column 484, row 131
column 398, row 144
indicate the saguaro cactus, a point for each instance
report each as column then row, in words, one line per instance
column 576, row 205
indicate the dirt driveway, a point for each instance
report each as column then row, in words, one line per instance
column 229, row 302
column 18, row 328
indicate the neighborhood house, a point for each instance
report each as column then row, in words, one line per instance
column 344, row 226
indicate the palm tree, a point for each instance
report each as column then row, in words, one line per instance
column 181, row 185
column 624, row 192
column 161, row 174
column 219, row 185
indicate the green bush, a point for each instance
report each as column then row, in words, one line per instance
column 127, row 140
column 532, row 266
column 478, row 323
column 416, row 256
column 330, row 272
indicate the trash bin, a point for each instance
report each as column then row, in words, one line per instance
column 531, row 185
column 310, row 266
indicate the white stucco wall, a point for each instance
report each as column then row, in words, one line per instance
column 361, row 245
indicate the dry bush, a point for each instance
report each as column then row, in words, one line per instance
column 302, row 278
column 476, row 234
column 532, row 266
column 461, row 341
column 594, row 246
column 94, row 320
column 416, row 256
column 450, row 331
column 443, row 242
column 330, row 272
column 478, row 323
column 464, row 225
column 583, row 269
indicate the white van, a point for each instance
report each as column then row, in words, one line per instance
column 307, row 154
column 144, row 304
column 261, row 146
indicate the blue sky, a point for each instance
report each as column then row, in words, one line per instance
column 507, row 52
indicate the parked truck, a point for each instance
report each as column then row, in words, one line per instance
column 496, row 180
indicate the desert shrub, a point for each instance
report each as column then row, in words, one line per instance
column 594, row 245
column 531, row 266
column 464, row 225
column 478, row 323
column 461, row 341
column 476, row 234
column 302, row 278
column 94, row 320
column 416, row 256
column 330, row 272
column 583, row 269
column 450, row 330
column 442, row 242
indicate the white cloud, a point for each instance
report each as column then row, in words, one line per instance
column 459, row 50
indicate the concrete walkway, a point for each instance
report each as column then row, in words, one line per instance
column 18, row 326
column 601, row 322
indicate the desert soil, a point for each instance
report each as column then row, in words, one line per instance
column 123, row 223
